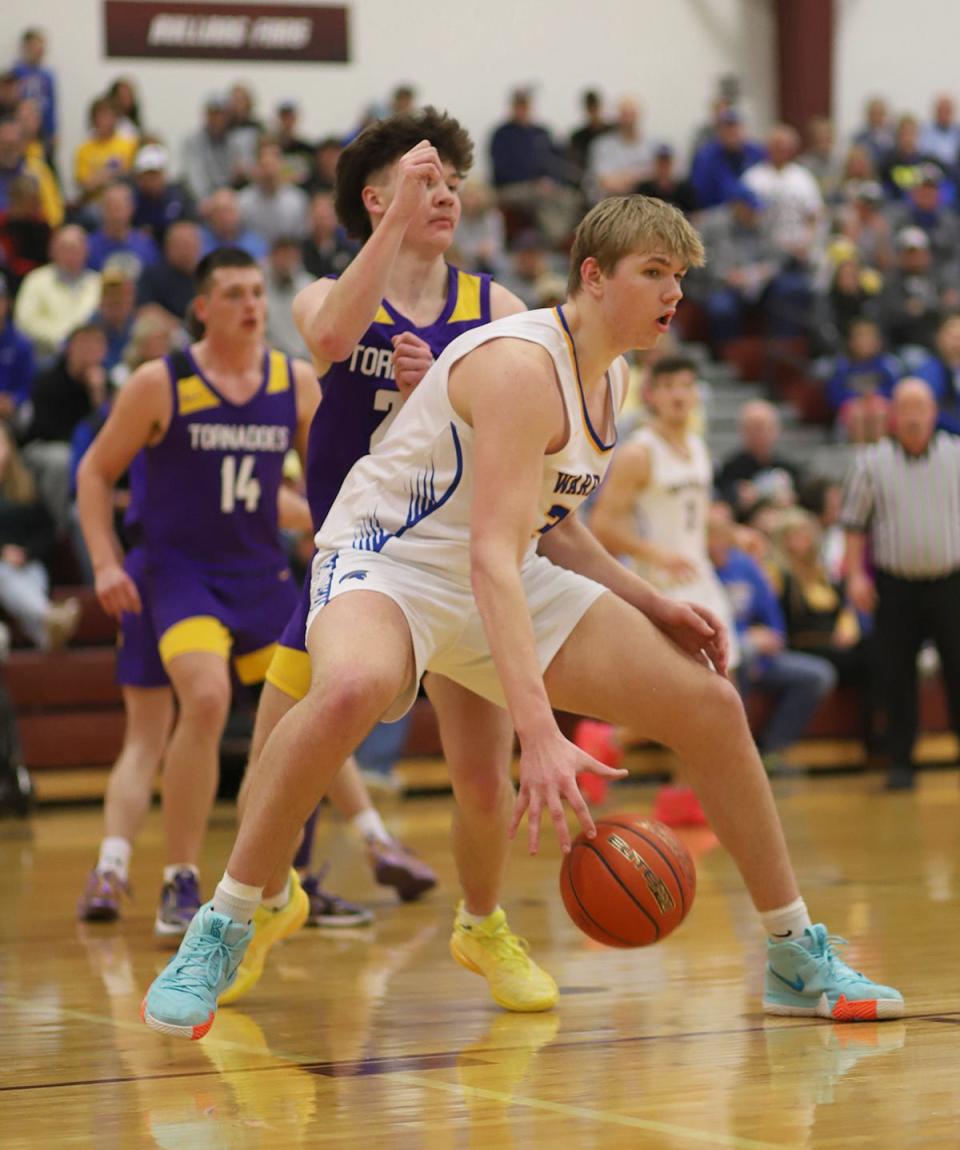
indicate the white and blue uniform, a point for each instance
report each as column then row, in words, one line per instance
column 401, row 523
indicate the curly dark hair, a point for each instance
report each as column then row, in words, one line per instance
column 382, row 143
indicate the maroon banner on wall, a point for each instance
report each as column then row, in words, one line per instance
column 188, row 31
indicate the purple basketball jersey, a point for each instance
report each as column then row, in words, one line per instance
column 207, row 492
column 360, row 396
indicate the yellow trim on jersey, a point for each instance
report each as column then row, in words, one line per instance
column 289, row 671
column 194, row 395
column 598, row 447
column 252, row 667
column 382, row 316
column 279, row 373
column 199, row 633
column 468, row 298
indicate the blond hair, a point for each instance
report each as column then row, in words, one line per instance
column 622, row 225
column 16, row 482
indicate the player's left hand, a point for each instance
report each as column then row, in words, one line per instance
column 412, row 359
column 694, row 629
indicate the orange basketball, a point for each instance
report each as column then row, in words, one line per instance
column 631, row 885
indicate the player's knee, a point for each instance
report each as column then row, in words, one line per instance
column 719, row 705
column 205, row 702
column 480, row 788
column 359, row 695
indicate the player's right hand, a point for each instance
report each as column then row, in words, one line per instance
column 418, row 173
column 548, row 777
column 412, row 359
column 116, row 591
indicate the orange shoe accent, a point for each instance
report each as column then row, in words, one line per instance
column 865, row 1011
column 678, row 807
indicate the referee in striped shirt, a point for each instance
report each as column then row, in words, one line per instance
column 905, row 493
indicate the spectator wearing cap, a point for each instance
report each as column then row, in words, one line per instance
column 665, row 184
column 105, row 155
column 270, row 205
column 915, row 294
column 157, row 203
column 169, row 282
column 925, row 208
column 60, row 296
column 941, row 137
column 719, row 164
column 877, row 135
column 327, row 250
column 619, row 159
column 529, row 173
column 116, row 235
column 15, row 163
column 285, row 277
column 224, row 228
column 37, row 82
column 742, row 265
column 595, row 124
column 16, row 360
column 208, row 158
column 902, row 502
column 118, row 293
column 297, row 153
column 901, row 169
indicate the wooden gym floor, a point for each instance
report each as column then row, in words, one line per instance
column 374, row 1037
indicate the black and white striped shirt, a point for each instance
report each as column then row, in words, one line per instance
column 910, row 504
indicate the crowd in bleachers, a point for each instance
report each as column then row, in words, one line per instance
column 845, row 251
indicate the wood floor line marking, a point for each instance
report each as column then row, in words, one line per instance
column 608, row 1117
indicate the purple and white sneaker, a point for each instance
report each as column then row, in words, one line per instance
column 179, row 902
column 397, row 866
column 100, row 901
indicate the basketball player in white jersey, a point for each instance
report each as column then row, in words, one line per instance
column 452, row 547
column 652, row 513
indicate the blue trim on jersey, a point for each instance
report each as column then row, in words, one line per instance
column 371, row 536
column 320, row 596
column 583, row 401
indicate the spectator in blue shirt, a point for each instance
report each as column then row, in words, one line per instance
column 942, row 371
column 719, row 164
column 16, row 360
column 36, row 82
column 796, row 681
column 116, row 236
column 157, row 203
column 224, row 227
column 118, row 290
column 859, row 389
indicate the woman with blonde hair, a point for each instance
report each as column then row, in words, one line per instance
column 26, row 539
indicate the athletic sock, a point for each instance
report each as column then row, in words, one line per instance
column 468, row 919
column 171, row 872
column 786, row 922
column 115, row 856
column 278, row 901
column 369, row 825
column 237, row 900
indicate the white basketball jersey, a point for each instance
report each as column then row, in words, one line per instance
column 411, row 497
column 672, row 509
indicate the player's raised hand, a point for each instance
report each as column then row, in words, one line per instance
column 412, row 358
column 116, row 591
column 418, row 173
column 548, row 778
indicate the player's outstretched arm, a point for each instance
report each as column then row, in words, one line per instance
column 507, row 391
column 139, row 417
column 308, row 400
column 332, row 315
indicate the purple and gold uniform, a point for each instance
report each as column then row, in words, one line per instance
column 208, row 561
column 360, row 401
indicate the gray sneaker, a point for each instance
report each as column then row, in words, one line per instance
column 179, row 902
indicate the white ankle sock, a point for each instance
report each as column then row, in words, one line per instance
column 279, row 901
column 468, row 919
column 369, row 825
column 115, row 855
column 786, row 922
column 237, row 900
column 170, row 872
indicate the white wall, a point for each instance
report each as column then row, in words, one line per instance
column 907, row 52
column 462, row 56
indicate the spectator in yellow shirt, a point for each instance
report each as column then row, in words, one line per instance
column 105, row 155
column 14, row 163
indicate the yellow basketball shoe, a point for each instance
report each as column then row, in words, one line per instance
column 269, row 927
column 493, row 950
